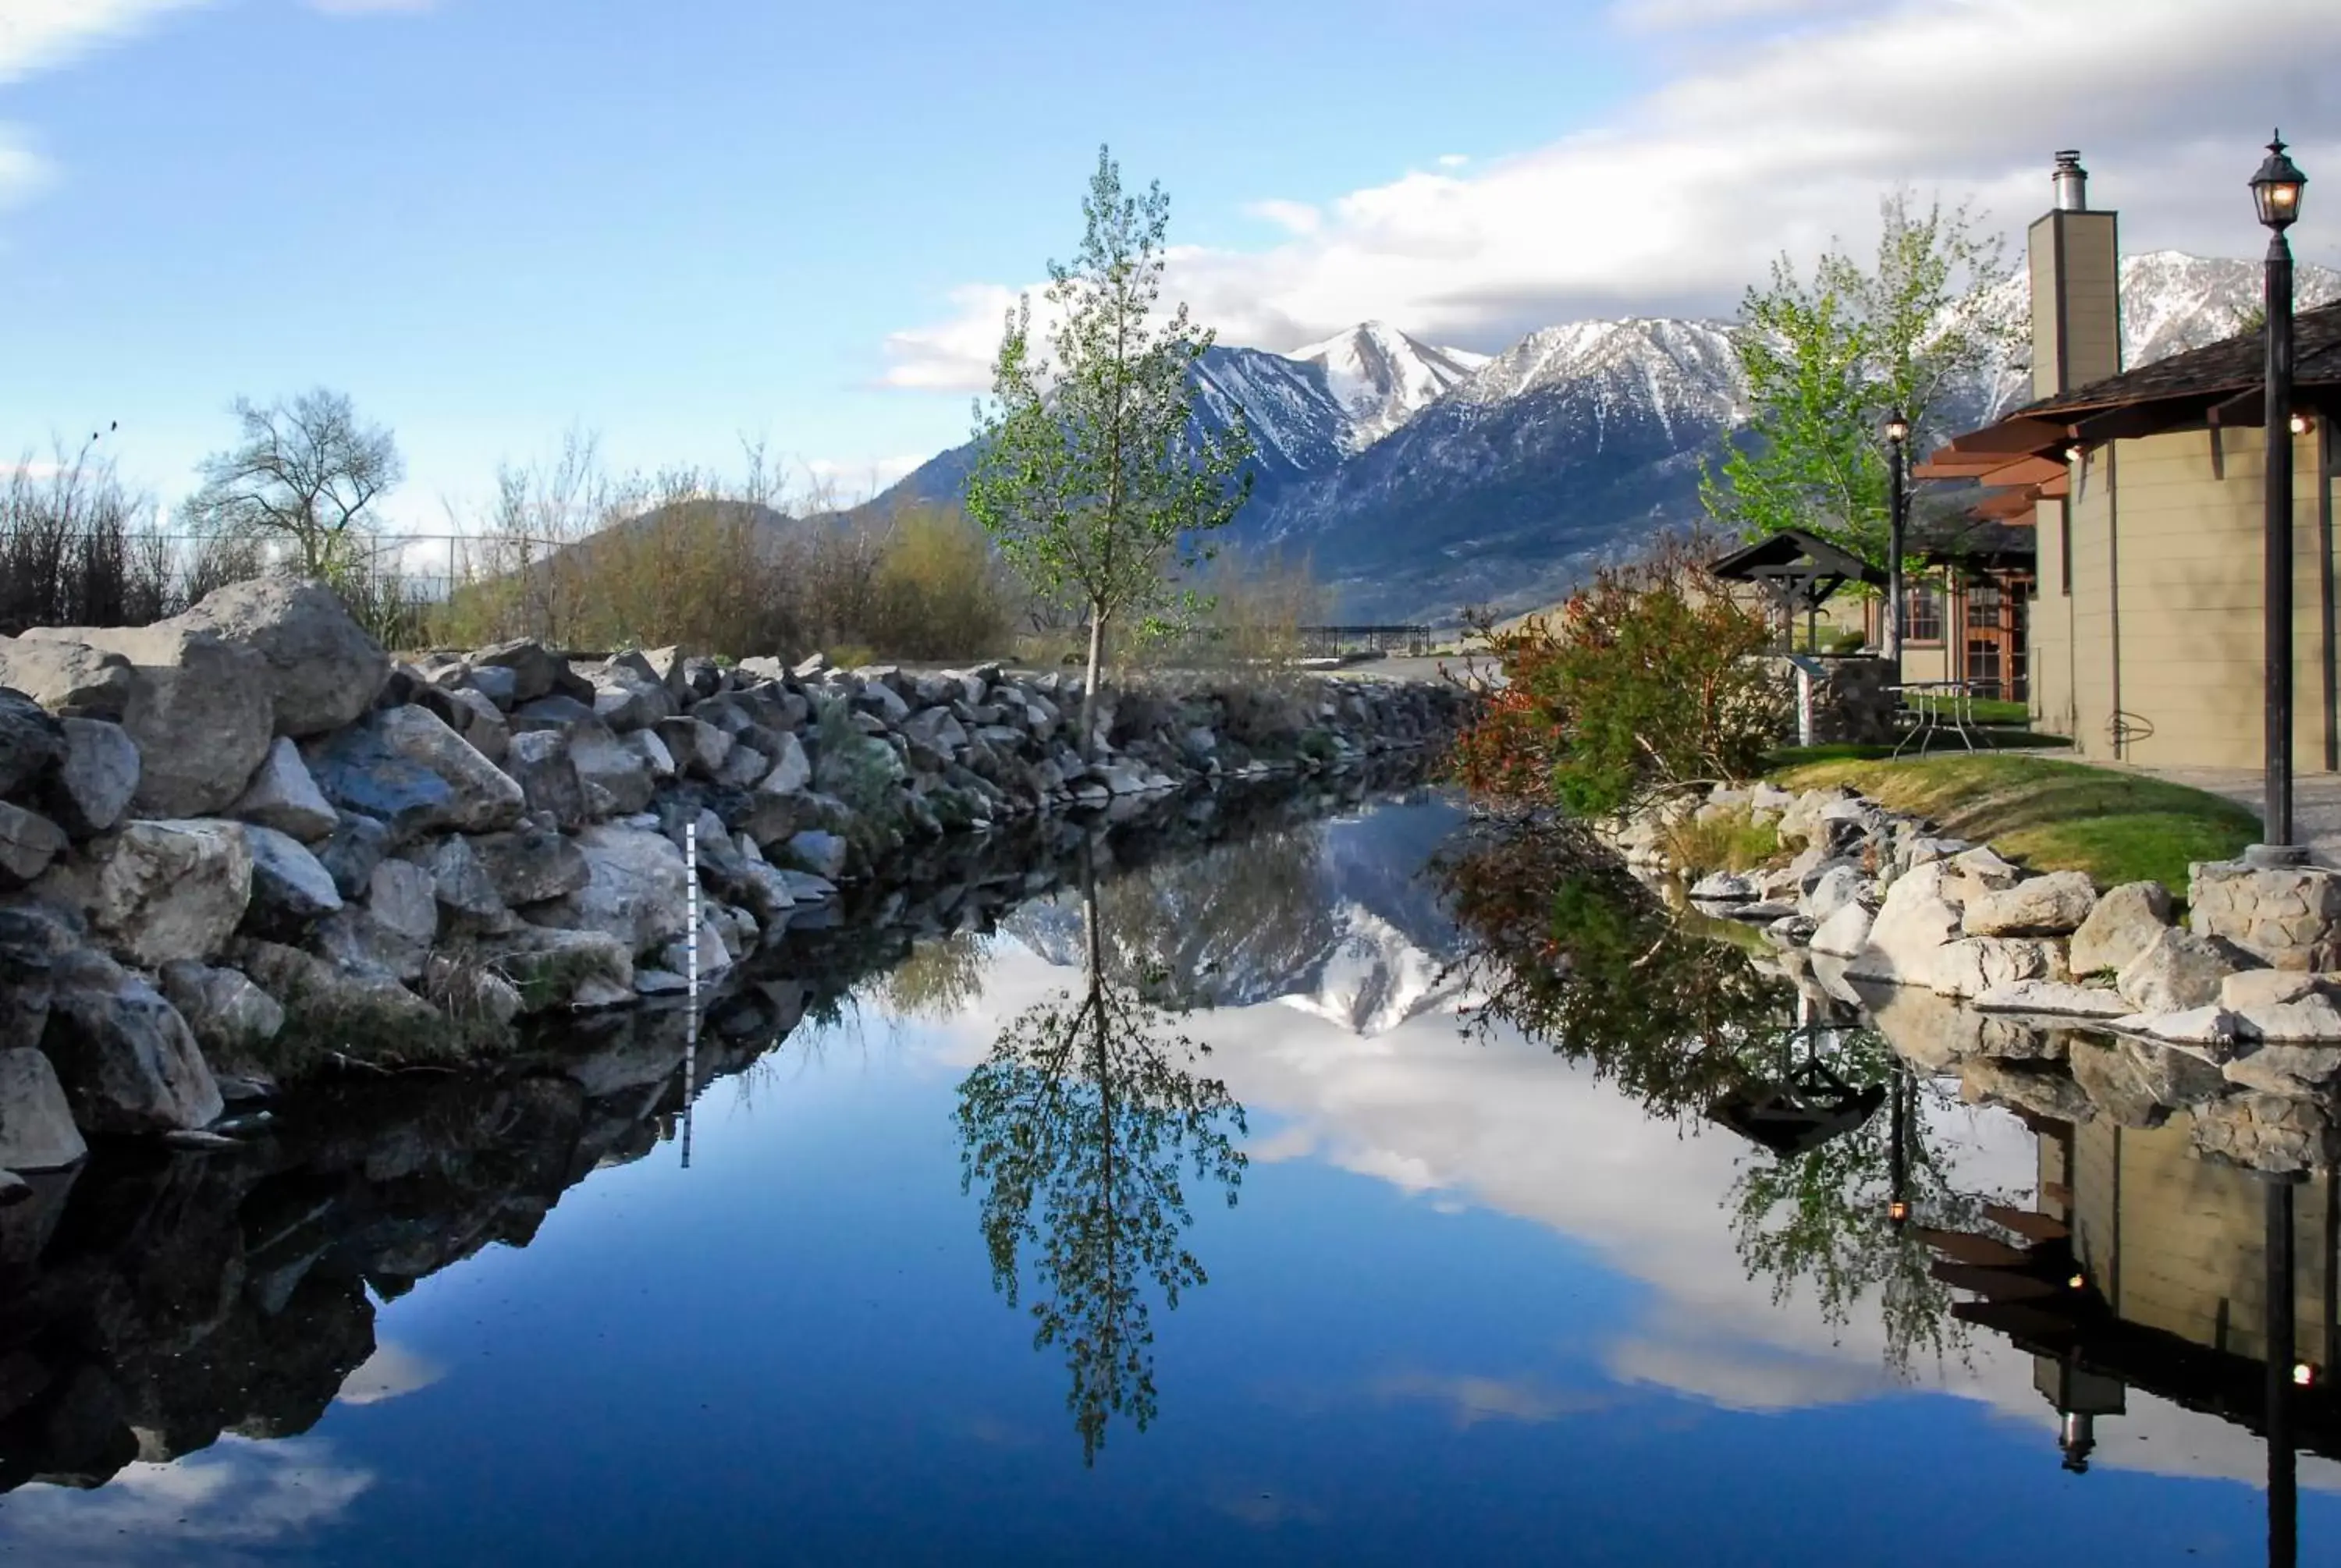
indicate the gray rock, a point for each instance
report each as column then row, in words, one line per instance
column 792, row 769
column 636, row 889
column 2122, row 925
column 646, row 745
column 407, row 768
column 1723, row 886
column 1845, row 934
column 226, row 1012
column 2311, row 1017
column 283, row 796
column 1832, row 890
column 96, row 779
column 602, row 760
column 551, row 968
column 2052, row 999
column 1974, row 966
column 2051, row 906
column 37, row 1123
column 461, row 884
column 1913, row 922
column 554, row 712
column 698, row 748
column 352, row 851
column 822, row 854
column 31, row 742
column 529, row 865
column 290, row 890
column 2211, row 1028
column 743, row 767
column 652, row 982
column 535, row 672
column 496, row 683
column 28, row 843
column 357, row 1009
column 548, row 777
column 480, row 722
column 323, row 671
column 470, row 993
column 714, row 956
column 127, row 1061
column 199, row 710
column 2287, row 1069
column 2249, row 988
column 165, row 890
column 2178, row 971
column 70, row 680
column 1985, row 1080
column 2265, row 1132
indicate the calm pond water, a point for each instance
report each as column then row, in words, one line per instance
column 1201, row 1211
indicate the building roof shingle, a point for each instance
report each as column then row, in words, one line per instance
column 2233, row 366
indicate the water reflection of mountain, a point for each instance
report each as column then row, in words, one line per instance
column 152, row 1302
column 1332, row 916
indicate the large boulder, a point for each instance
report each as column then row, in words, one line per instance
column 1974, row 966
column 603, row 759
column 2122, row 924
column 165, row 891
column 228, row 1014
column 291, row 889
column 529, row 865
column 323, row 671
column 537, row 671
column 405, row 767
column 460, row 883
column 283, row 796
column 2050, row 906
column 71, row 680
column 560, row 968
column 637, row 889
column 31, row 741
column 126, row 1059
column 96, row 779
column 1915, row 920
column 37, row 1123
column 29, row 843
column 390, row 931
column 362, row 1012
column 539, row 761
column 199, row 709
column 352, row 851
column 2178, row 971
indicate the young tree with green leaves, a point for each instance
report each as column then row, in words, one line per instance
column 1093, row 475
column 1828, row 357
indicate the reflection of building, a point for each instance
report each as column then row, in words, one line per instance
column 2147, row 1267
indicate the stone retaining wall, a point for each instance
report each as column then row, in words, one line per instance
column 245, row 841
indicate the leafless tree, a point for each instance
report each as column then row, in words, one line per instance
column 305, row 473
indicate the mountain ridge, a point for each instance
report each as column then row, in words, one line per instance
column 1419, row 480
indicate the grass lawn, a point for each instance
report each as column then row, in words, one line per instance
column 2050, row 815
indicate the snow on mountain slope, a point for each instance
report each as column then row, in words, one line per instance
column 1381, row 378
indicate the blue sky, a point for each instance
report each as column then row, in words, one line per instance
column 676, row 223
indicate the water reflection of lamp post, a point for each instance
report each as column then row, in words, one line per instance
column 2282, row 1498
column 1897, row 1203
column 2275, row 191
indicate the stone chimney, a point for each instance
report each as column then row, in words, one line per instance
column 2075, row 258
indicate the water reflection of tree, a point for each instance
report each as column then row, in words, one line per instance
column 1564, row 945
column 1823, row 1218
column 1078, row 1125
column 940, row 978
column 1567, row 947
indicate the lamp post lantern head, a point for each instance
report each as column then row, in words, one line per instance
column 2276, row 188
column 1898, row 429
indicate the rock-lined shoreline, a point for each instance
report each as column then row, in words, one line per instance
column 245, row 842
column 2041, row 991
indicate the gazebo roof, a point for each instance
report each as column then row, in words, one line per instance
column 1793, row 557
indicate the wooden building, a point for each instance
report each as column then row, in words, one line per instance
column 2144, row 492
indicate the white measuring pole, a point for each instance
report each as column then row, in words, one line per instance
column 691, row 966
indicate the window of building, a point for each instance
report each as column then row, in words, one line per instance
column 1922, row 616
column 1983, row 607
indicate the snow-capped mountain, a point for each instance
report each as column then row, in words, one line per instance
column 1419, row 480
column 1381, row 378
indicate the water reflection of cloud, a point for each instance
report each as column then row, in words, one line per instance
column 1472, row 1398
column 237, row 1496
column 391, row 1372
column 1509, row 1128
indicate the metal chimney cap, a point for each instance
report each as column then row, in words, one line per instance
column 2071, row 181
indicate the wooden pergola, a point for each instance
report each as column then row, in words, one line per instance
column 1801, row 570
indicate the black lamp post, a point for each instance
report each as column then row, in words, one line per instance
column 2275, row 191
column 1897, row 437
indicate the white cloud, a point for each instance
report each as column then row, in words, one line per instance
column 1683, row 199
column 392, row 1372
column 371, row 7
column 40, row 34
column 1293, row 217
column 1452, row 160
column 236, row 1494
column 846, row 481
